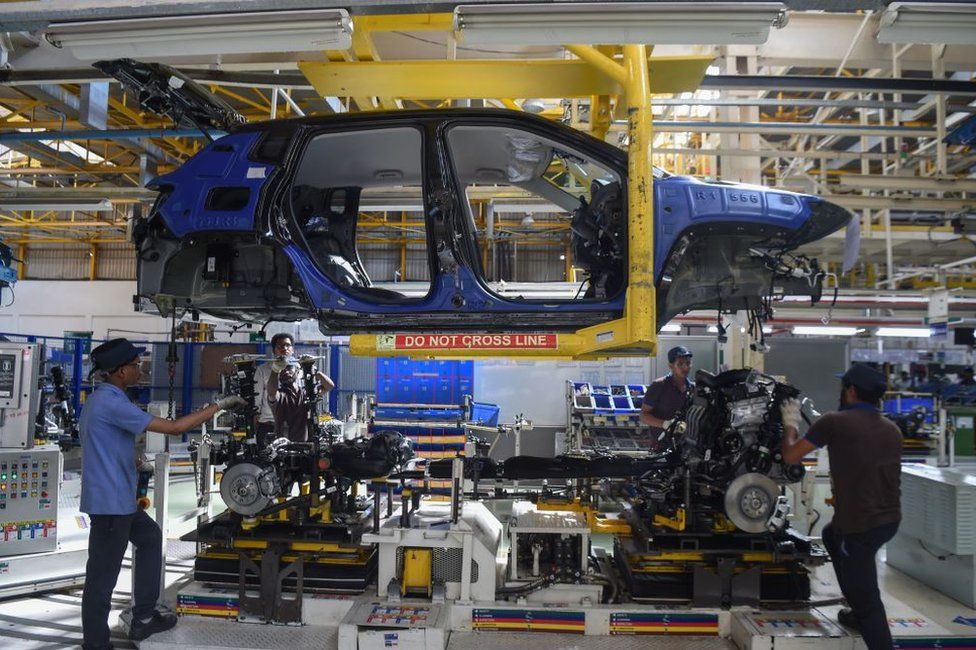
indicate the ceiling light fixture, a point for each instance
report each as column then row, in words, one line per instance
column 207, row 34
column 60, row 205
column 816, row 330
column 659, row 23
column 905, row 332
column 952, row 23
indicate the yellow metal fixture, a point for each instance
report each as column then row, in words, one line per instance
column 677, row 522
column 416, row 576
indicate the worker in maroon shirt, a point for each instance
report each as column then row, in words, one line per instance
column 668, row 394
column 287, row 397
column 864, row 449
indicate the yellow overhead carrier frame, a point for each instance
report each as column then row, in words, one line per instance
column 597, row 74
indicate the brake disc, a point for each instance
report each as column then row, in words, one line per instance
column 243, row 489
column 750, row 501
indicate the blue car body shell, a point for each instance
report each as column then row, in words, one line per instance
column 194, row 204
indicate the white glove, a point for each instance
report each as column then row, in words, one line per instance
column 231, row 403
column 790, row 411
column 679, row 426
column 279, row 364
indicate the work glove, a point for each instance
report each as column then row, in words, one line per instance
column 231, row 403
column 279, row 364
column 790, row 411
column 679, row 428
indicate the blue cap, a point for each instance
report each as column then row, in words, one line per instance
column 113, row 354
column 864, row 377
column 678, row 351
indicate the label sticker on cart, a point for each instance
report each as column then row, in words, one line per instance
column 528, row 620
column 663, row 623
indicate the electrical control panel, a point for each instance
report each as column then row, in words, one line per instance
column 29, row 481
column 20, row 394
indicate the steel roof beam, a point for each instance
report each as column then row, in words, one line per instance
column 806, row 83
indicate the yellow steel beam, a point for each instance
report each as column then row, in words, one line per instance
column 65, row 240
column 264, row 109
column 492, row 78
column 24, row 123
column 441, row 22
column 93, row 170
column 458, row 79
column 600, row 61
column 364, row 49
column 22, row 255
column 59, row 225
column 677, row 74
column 364, row 102
column 600, row 116
column 16, row 110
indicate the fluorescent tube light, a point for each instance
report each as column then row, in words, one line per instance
column 906, row 332
column 713, row 329
column 817, row 330
column 671, row 327
column 953, row 23
column 207, row 34
column 589, row 23
column 62, row 205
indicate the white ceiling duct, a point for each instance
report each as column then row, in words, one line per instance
column 60, row 205
column 661, row 23
column 952, row 23
column 203, row 35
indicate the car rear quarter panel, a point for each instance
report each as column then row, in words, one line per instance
column 223, row 163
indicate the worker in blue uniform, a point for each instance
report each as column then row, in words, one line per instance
column 109, row 425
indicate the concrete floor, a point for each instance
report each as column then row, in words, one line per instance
column 53, row 620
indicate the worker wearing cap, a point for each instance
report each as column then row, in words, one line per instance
column 864, row 449
column 668, row 394
column 108, row 425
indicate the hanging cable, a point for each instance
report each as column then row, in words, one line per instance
column 172, row 359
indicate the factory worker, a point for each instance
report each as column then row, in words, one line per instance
column 108, row 426
column 864, row 449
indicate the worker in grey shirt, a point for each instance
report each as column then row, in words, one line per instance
column 283, row 348
column 864, row 449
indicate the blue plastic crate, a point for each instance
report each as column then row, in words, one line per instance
column 485, row 414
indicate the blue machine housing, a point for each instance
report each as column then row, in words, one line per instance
column 224, row 238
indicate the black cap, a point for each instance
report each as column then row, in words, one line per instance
column 678, row 351
column 864, row 377
column 115, row 353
